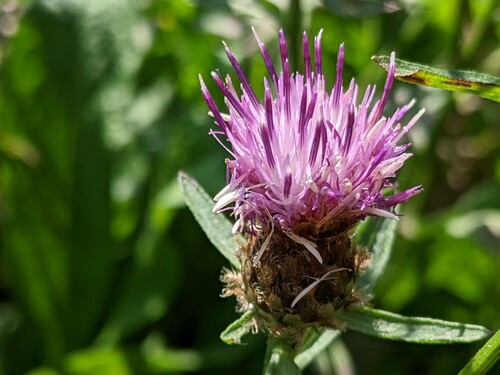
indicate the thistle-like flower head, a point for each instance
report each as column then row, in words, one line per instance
column 307, row 164
column 303, row 153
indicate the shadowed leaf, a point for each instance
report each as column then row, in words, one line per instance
column 377, row 236
column 313, row 344
column 279, row 358
column 216, row 226
column 236, row 330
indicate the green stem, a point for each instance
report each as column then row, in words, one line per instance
column 484, row 358
column 279, row 358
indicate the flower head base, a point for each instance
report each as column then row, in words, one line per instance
column 306, row 165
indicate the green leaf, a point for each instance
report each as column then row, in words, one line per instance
column 484, row 85
column 484, row 358
column 216, row 226
column 44, row 371
column 279, row 358
column 392, row 326
column 146, row 289
column 360, row 8
column 33, row 278
column 313, row 344
column 447, row 255
column 161, row 359
column 378, row 237
column 98, row 361
column 236, row 330
column 102, row 59
column 336, row 359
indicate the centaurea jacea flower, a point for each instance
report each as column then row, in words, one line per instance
column 306, row 165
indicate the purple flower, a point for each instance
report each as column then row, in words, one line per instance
column 304, row 154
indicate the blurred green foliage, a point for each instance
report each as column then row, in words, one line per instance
column 102, row 268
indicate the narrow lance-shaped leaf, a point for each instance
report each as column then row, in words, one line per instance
column 392, row 326
column 484, row 358
column 216, row 226
column 279, row 358
column 314, row 343
column 378, row 238
column 361, row 8
column 484, row 85
column 237, row 329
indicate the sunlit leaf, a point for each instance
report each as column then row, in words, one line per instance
column 460, row 266
column 19, row 148
column 98, row 361
column 91, row 60
column 486, row 357
column 162, row 359
column 216, row 226
column 484, row 85
column 420, row 330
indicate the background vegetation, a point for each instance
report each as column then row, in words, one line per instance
column 102, row 268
